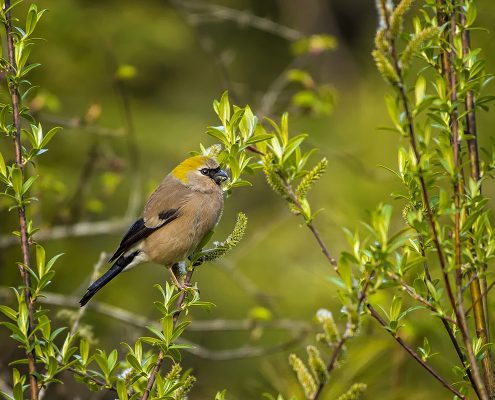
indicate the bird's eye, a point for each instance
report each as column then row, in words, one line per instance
column 204, row 171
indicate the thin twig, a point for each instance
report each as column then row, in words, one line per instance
column 348, row 334
column 333, row 262
column 93, row 379
column 426, row 202
column 451, row 76
column 448, row 328
column 242, row 18
column 411, row 292
column 80, row 229
column 480, row 309
column 80, row 123
column 15, row 98
column 415, row 355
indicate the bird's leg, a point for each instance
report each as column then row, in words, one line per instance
column 178, row 269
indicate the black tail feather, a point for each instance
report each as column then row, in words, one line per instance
column 116, row 268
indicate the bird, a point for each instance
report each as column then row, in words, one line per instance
column 178, row 215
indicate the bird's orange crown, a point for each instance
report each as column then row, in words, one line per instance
column 188, row 165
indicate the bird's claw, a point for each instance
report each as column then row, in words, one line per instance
column 181, row 286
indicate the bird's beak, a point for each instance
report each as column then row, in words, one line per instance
column 220, row 176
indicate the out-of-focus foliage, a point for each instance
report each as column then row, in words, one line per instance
column 171, row 59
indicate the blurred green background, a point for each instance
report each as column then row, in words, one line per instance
column 174, row 59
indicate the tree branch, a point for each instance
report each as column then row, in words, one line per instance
column 80, row 229
column 15, row 99
column 415, row 355
column 242, row 18
column 161, row 355
column 480, row 308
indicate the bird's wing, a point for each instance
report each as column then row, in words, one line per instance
column 170, row 195
column 163, row 206
column 139, row 231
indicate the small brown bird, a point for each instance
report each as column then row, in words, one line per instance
column 184, row 208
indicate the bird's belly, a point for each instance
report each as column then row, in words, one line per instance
column 169, row 245
column 179, row 239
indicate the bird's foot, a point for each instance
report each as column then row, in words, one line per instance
column 181, row 286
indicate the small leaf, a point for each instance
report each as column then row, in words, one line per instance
column 168, row 328
column 3, row 169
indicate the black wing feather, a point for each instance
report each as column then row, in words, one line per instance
column 139, row 231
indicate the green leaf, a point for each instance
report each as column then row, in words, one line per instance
column 292, row 145
column 258, row 138
column 395, row 308
column 345, row 269
column 40, row 260
column 8, row 312
column 420, row 89
column 471, row 13
column 218, row 133
column 18, row 391
column 156, row 332
column 49, row 136
column 122, row 390
column 3, row 169
column 112, row 361
column 168, row 328
column 17, row 180
column 247, row 124
column 224, row 108
column 29, row 182
column 84, row 350
column 284, row 128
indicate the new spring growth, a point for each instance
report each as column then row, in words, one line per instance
column 391, row 22
column 303, row 376
column 187, row 384
column 331, row 334
column 272, row 178
column 353, row 321
column 316, row 365
column 416, row 43
column 354, row 393
column 221, row 248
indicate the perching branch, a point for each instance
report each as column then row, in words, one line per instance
column 161, row 355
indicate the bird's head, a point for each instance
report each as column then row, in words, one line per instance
column 200, row 173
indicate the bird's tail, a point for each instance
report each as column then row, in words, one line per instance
column 116, row 268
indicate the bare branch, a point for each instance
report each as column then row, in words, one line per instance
column 76, row 230
column 208, row 12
